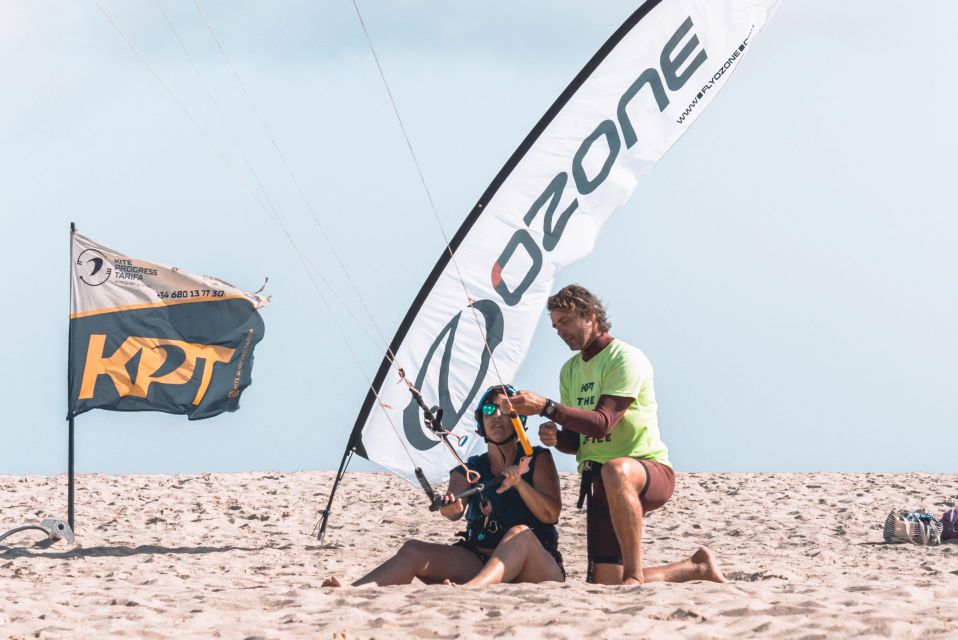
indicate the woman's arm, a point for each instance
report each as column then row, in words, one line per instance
column 542, row 496
column 453, row 509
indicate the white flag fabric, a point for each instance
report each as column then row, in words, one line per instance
column 544, row 211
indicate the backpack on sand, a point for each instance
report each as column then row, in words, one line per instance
column 915, row 527
column 949, row 523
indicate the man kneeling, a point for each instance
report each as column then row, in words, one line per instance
column 607, row 412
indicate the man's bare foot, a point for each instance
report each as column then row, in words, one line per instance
column 332, row 581
column 632, row 581
column 705, row 560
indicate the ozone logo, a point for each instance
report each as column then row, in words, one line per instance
column 444, row 346
column 676, row 67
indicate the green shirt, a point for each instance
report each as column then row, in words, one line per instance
column 618, row 370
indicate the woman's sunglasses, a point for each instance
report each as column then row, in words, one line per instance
column 489, row 409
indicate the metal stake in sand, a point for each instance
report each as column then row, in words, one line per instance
column 55, row 530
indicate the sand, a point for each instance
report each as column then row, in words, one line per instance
column 232, row 556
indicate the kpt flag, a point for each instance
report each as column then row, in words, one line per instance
column 148, row 337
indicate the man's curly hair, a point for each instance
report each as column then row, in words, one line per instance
column 574, row 297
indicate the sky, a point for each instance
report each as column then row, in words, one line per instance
column 788, row 267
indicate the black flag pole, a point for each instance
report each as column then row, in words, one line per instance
column 70, row 481
column 70, row 470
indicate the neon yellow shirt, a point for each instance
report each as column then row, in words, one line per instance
column 618, row 370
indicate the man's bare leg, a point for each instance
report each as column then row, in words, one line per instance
column 701, row 565
column 624, row 479
column 603, row 573
column 431, row 563
column 520, row 557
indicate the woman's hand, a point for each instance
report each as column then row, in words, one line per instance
column 452, row 508
column 512, row 475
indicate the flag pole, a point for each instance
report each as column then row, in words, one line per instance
column 70, row 480
column 70, row 468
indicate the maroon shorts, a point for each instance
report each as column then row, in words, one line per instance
column 603, row 545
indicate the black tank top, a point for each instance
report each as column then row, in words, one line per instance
column 508, row 508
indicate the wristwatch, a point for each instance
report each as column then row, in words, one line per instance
column 550, row 410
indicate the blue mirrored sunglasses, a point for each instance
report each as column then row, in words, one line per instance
column 489, row 409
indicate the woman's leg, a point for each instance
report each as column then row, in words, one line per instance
column 520, row 557
column 427, row 561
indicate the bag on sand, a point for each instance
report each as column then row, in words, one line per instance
column 949, row 523
column 915, row 527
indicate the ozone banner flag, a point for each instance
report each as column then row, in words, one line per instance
column 473, row 320
column 148, row 337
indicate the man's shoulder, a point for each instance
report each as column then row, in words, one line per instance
column 568, row 364
column 619, row 349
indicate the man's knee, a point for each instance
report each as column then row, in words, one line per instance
column 623, row 472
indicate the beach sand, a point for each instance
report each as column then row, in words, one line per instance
column 232, row 556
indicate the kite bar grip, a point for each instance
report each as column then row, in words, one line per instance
column 492, row 484
column 520, row 433
column 435, row 500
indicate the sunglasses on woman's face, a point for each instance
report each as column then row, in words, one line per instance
column 489, row 409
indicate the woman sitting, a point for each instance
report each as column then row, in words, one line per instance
column 510, row 534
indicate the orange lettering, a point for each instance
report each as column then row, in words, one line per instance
column 153, row 355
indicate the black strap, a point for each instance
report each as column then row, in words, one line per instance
column 589, row 469
column 585, row 491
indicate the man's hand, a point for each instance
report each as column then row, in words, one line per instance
column 452, row 508
column 527, row 403
column 549, row 434
column 511, row 476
